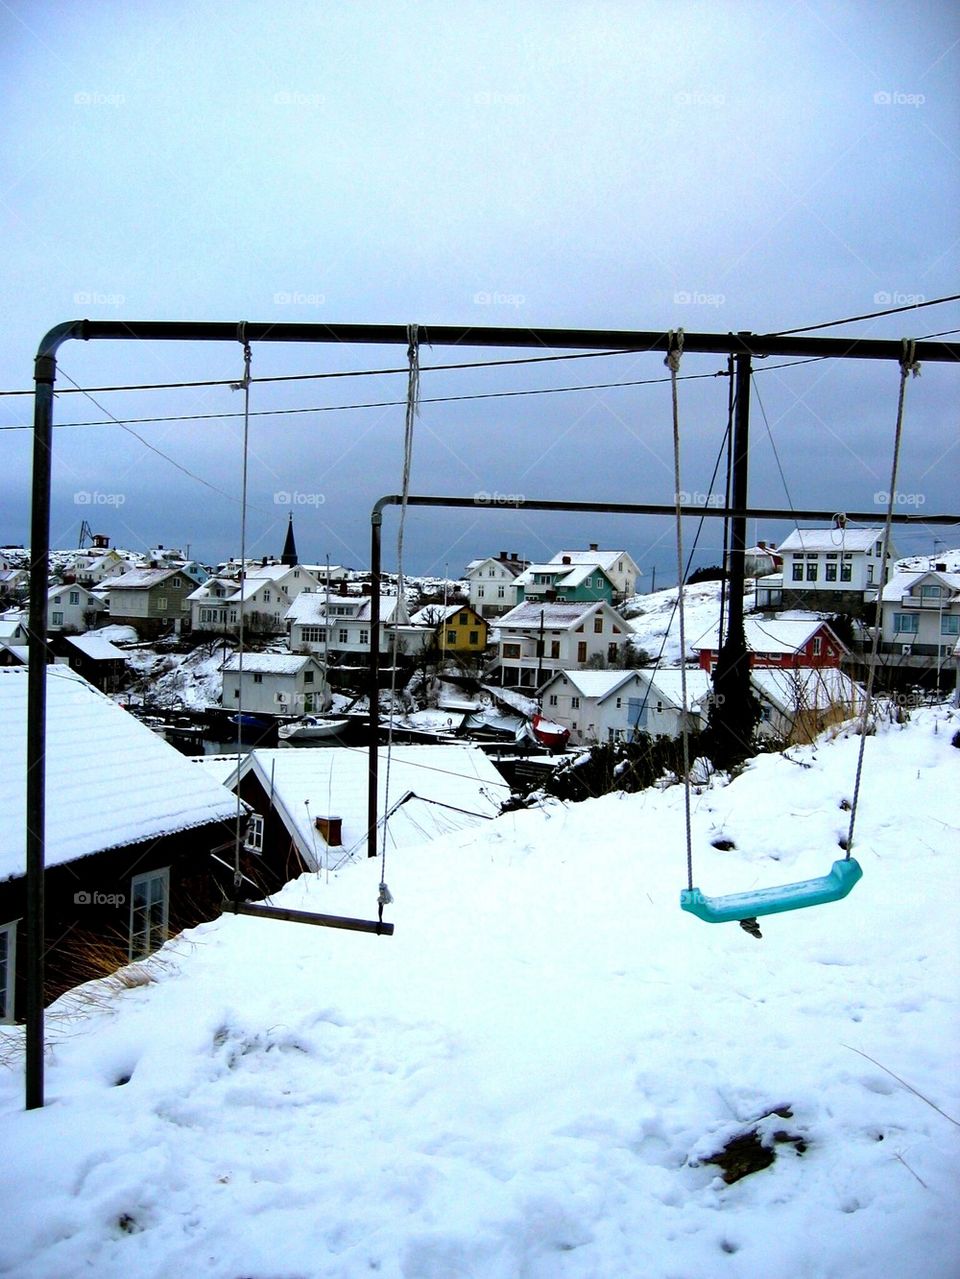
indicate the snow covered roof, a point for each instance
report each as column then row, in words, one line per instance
column 515, row 567
column 769, row 635
column 97, row 648
column 593, row 684
column 269, row 663
column 667, row 681
column 557, row 615
column 832, row 539
column 434, row 614
column 606, row 559
column 141, row 579
column 11, row 625
column 310, row 608
column 806, row 689
column 448, row 781
column 110, row 780
column 902, row 583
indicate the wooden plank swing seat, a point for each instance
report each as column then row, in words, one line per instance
column 310, row 917
column 771, row 901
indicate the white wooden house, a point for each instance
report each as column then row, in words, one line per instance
column 615, row 706
column 492, row 583
column 538, row 640
column 217, row 605
column 920, row 618
column 71, row 607
column 833, row 568
column 340, row 626
column 274, row 684
column 619, row 566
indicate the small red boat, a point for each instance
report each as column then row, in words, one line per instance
column 554, row 736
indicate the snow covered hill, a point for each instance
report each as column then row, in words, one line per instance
column 528, row 1078
column 654, row 616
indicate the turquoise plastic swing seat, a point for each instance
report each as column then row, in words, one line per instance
column 771, row 901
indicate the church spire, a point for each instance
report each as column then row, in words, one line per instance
column 289, row 556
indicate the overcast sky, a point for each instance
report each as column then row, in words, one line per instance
column 738, row 166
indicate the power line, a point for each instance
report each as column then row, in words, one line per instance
column 313, row 377
column 870, row 315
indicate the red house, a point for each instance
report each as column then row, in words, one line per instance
column 787, row 643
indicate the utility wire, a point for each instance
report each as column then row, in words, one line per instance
column 870, row 315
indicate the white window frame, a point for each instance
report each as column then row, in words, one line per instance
column 8, row 982
column 253, row 840
column 150, row 933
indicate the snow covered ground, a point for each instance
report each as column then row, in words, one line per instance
column 527, row 1078
column 651, row 615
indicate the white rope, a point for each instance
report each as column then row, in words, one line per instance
column 242, row 385
column 672, row 361
column 413, row 408
column 909, row 366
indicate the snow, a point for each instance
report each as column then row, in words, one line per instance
column 525, row 1080
column 97, row 648
column 110, row 780
column 655, row 618
column 831, row 539
column 924, row 563
column 268, row 663
column 116, row 634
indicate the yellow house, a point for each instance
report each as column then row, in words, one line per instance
column 457, row 628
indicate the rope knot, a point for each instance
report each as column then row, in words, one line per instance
column 908, row 358
column 674, row 350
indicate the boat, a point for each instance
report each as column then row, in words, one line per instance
column 553, row 736
column 309, row 728
column 247, row 720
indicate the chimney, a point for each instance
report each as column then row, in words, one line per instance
column 940, row 568
column 366, row 588
column 330, row 829
column 567, row 560
column 594, row 546
column 263, row 562
column 503, row 555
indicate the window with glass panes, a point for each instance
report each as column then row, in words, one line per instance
column 149, row 908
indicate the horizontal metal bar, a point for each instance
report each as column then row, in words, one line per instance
column 470, row 336
column 309, row 917
column 648, row 508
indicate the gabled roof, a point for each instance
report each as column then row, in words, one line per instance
column 806, row 688
column 773, row 635
column 96, row 648
column 606, row 559
column 512, row 566
column 593, row 684
column 110, row 780
column 454, row 786
column 143, row 579
column 269, row 663
column 903, row 583
column 435, row 614
column 832, row 539
column 667, row 682
column 310, row 608
column 564, row 574
column 557, row 615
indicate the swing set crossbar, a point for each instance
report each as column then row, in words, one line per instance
column 310, row 917
column 772, row 901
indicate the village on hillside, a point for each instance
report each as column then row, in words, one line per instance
column 490, row 687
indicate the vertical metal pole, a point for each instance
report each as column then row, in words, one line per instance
column 376, row 525
column 46, row 372
column 738, row 524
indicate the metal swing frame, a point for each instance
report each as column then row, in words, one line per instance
column 743, row 344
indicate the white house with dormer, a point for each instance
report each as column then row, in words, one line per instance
column 833, row 568
column 616, row 706
column 536, row 640
column 340, row 625
column 920, row 618
column 492, row 583
column 72, row 607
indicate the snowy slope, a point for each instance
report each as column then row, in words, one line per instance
column 651, row 615
column 525, row 1079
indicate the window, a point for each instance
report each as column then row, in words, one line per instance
column 236, row 692
column 58, row 599
column 343, row 635
column 846, row 568
column 257, row 677
column 313, row 634
column 619, row 702
column 554, row 648
column 8, row 970
column 474, row 637
column 266, row 597
column 176, row 582
column 161, row 602
column 56, row 619
column 950, row 625
column 878, row 547
column 253, row 841
column 149, row 907
column 817, row 645
column 553, row 699
column 480, row 592
column 869, row 573
column 612, row 652
column 74, row 597
column 464, row 619
column 831, row 572
column 811, row 570
column 582, row 651
column 926, row 593
column 511, row 650
column 598, row 625
column 365, row 635
column 501, row 592
column 575, row 703
column 797, row 571
column 905, row 623
column 308, row 677
column 451, row 637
